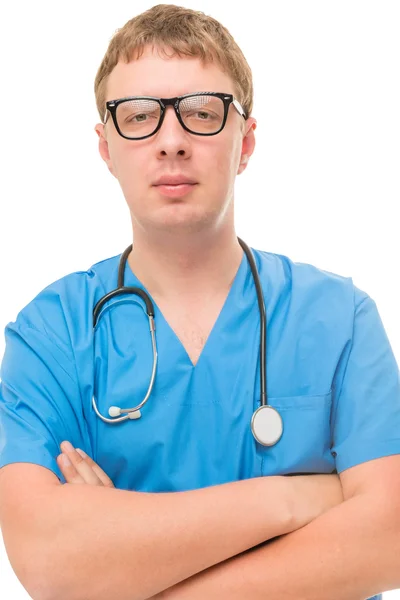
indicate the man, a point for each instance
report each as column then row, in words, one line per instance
column 194, row 490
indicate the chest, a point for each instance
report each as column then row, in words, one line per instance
column 195, row 428
column 192, row 323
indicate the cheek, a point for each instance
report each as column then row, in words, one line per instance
column 131, row 169
column 223, row 167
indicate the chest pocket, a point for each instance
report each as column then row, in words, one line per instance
column 306, row 439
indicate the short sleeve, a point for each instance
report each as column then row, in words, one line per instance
column 40, row 402
column 366, row 410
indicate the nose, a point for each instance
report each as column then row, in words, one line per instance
column 172, row 139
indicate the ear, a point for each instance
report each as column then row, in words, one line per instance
column 248, row 143
column 103, row 147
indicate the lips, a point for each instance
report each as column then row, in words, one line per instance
column 176, row 190
column 174, row 185
column 174, row 180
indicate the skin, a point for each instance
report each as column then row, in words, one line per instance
column 81, row 468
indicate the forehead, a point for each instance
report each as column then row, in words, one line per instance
column 154, row 74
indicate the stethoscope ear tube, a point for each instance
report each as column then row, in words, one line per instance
column 132, row 413
column 114, row 411
column 121, row 266
column 123, row 290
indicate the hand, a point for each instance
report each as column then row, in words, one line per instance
column 82, row 469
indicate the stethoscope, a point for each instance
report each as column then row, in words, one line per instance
column 266, row 422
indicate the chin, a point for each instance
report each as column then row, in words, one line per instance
column 180, row 217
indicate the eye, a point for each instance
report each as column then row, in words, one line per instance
column 203, row 112
column 139, row 116
column 205, row 115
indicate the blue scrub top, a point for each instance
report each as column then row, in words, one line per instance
column 331, row 373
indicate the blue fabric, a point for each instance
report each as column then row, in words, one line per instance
column 331, row 373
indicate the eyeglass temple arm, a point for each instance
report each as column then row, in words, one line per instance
column 239, row 108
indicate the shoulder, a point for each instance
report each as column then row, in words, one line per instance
column 308, row 286
column 63, row 309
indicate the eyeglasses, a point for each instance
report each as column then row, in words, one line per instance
column 201, row 113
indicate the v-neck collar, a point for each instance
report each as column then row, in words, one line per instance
column 130, row 279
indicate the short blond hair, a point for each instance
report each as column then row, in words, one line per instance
column 187, row 33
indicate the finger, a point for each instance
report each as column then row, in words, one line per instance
column 107, row 482
column 81, row 466
column 71, row 475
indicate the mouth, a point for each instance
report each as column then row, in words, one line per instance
column 173, row 185
column 175, row 190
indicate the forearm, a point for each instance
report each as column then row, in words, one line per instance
column 100, row 542
column 351, row 552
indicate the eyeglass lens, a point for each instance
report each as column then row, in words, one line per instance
column 140, row 117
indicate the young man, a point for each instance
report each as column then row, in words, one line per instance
column 194, row 486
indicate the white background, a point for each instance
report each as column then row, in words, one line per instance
column 322, row 186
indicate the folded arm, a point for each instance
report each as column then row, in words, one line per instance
column 97, row 542
column 350, row 552
column 94, row 542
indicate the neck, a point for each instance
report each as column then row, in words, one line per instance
column 194, row 266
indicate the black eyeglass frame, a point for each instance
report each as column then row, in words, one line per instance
column 227, row 99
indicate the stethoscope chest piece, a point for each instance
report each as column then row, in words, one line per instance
column 267, row 425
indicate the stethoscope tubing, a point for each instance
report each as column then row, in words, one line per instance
column 134, row 413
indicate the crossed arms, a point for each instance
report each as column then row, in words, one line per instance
column 95, row 543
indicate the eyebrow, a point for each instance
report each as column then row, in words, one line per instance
column 155, row 96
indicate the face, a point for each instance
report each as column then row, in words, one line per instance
column 212, row 161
